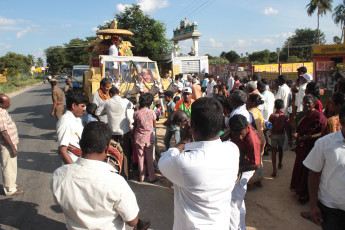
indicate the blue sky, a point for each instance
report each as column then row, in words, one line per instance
column 29, row 27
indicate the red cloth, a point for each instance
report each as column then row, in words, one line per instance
column 318, row 106
column 251, row 146
column 279, row 122
column 311, row 124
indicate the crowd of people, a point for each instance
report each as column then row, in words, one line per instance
column 221, row 129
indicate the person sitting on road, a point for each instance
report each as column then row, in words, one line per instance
column 203, row 172
column 90, row 192
column 70, row 127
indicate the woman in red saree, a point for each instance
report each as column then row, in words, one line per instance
column 308, row 131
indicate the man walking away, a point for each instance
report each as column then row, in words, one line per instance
column 203, row 172
column 57, row 96
column 116, row 109
column 8, row 148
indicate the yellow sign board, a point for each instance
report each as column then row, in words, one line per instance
column 176, row 69
column 3, row 79
column 329, row 49
column 285, row 68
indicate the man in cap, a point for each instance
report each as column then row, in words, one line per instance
column 8, row 148
column 57, row 97
column 306, row 78
column 185, row 103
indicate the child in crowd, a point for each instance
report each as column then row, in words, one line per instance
column 280, row 124
column 89, row 114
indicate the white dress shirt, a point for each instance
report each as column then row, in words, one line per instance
column 100, row 107
column 283, row 94
column 69, row 130
column 243, row 111
column 93, row 196
column 299, row 97
column 204, row 175
column 268, row 105
column 328, row 156
column 116, row 109
column 113, row 51
column 231, row 82
column 209, row 89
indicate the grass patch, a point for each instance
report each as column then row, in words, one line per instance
column 18, row 82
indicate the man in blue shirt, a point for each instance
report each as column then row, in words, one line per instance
column 171, row 129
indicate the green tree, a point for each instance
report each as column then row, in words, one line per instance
column 16, row 63
column 76, row 53
column 232, row 56
column 260, row 57
column 56, row 59
column 39, row 62
column 322, row 6
column 149, row 34
column 217, row 60
column 339, row 17
column 301, row 44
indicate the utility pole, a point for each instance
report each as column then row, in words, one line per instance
column 278, row 50
column 288, row 50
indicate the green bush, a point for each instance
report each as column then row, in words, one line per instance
column 16, row 82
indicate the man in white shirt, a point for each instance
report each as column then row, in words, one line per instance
column 231, row 82
column 203, row 172
column 69, row 128
column 283, row 92
column 118, row 121
column 210, row 84
column 113, row 51
column 100, row 96
column 306, row 78
column 268, row 98
column 238, row 102
column 327, row 200
column 90, row 192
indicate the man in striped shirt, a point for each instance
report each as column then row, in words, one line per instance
column 8, row 148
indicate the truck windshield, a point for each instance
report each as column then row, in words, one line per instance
column 78, row 72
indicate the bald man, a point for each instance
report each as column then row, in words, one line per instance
column 8, row 148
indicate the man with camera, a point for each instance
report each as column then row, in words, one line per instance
column 204, row 171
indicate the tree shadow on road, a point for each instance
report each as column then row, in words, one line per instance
column 43, row 162
column 24, row 215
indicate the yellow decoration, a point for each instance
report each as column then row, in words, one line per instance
column 329, row 49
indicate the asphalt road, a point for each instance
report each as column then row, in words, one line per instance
column 38, row 159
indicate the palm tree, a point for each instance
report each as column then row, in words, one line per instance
column 322, row 7
column 339, row 17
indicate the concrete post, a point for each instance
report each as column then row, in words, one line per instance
column 196, row 46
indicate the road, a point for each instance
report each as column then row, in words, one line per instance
column 271, row 207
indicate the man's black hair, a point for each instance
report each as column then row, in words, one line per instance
column 145, row 100
column 256, row 77
column 239, row 97
column 177, row 77
column 341, row 84
column 150, row 96
column 260, row 85
column 338, row 75
column 314, row 89
column 282, row 79
column 264, row 81
column 238, row 122
column 302, row 69
column 53, row 82
column 133, row 100
column 289, row 82
column 342, row 113
column 105, row 81
column 77, row 98
column 114, row 91
column 176, row 99
column 256, row 98
column 207, row 117
column 339, row 98
column 169, row 94
column 91, row 107
column 278, row 104
column 95, row 138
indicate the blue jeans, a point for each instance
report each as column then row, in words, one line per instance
column 168, row 136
